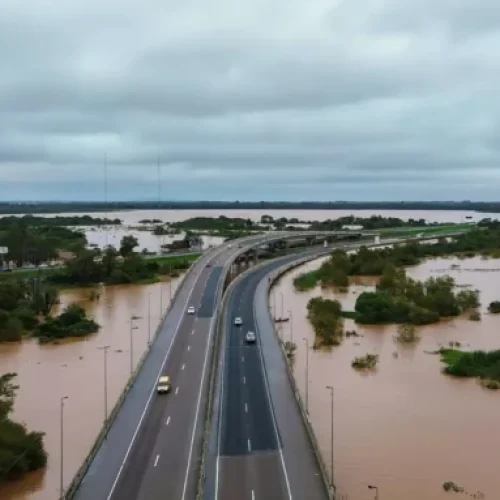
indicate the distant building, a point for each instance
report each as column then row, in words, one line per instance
column 66, row 256
column 352, row 228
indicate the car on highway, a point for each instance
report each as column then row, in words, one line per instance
column 238, row 321
column 250, row 338
column 191, row 310
column 163, row 385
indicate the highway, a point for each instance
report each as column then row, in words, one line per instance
column 152, row 449
column 256, row 450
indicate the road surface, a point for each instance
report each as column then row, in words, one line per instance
column 258, row 443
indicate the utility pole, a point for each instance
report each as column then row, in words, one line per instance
column 106, row 198
column 330, row 388
column 291, row 327
column 307, row 374
column 105, row 350
column 61, row 473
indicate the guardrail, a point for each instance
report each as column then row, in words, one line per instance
column 330, row 487
column 80, row 474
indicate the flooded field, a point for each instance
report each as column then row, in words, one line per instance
column 406, row 428
column 76, row 369
column 101, row 237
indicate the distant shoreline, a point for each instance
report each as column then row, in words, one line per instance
column 12, row 208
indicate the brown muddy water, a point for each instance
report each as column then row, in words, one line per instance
column 76, row 369
column 406, row 427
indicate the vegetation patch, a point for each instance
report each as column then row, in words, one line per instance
column 325, row 316
column 494, row 307
column 306, row 281
column 400, row 299
column 484, row 365
column 407, row 334
column 21, row 451
column 367, row 362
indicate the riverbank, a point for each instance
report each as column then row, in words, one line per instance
column 399, row 426
column 48, row 372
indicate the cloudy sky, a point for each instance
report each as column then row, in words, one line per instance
column 250, row 100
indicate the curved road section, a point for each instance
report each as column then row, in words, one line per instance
column 263, row 449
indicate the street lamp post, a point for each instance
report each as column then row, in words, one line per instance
column 132, row 327
column 161, row 299
column 291, row 327
column 282, row 311
column 371, row 487
column 330, row 388
column 61, row 475
column 105, row 350
column 149, row 318
column 307, row 374
column 170, row 285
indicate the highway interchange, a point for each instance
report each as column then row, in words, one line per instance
column 153, row 449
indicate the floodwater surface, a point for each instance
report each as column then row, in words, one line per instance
column 75, row 368
column 406, row 427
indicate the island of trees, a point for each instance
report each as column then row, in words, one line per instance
column 25, row 308
column 21, row 451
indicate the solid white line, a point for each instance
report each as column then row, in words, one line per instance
column 168, row 420
column 156, row 460
column 246, row 408
column 205, row 363
column 249, row 445
column 134, row 436
column 183, row 366
column 177, row 390
column 266, row 383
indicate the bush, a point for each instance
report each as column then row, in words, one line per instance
column 367, row 362
column 325, row 316
column 494, row 307
column 481, row 364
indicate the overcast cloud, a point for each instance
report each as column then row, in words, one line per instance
column 250, row 100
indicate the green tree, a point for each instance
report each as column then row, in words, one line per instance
column 109, row 260
column 127, row 245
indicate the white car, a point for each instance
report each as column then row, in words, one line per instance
column 190, row 310
column 238, row 321
column 250, row 338
column 163, row 385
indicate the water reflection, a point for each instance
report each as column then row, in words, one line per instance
column 405, row 428
column 76, row 369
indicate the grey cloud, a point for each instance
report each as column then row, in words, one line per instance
column 316, row 100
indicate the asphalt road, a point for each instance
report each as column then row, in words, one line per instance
column 153, row 447
column 253, row 459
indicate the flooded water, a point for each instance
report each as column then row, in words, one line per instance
column 101, row 237
column 405, row 428
column 132, row 217
column 76, row 369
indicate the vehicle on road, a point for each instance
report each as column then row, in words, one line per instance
column 250, row 338
column 238, row 321
column 208, row 265
column 230, row 246
column 191, row 310
column 163, row 385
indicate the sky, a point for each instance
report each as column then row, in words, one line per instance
column 250, row 100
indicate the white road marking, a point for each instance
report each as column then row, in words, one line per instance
column 244, row 380
column 242, row 359
column 246, row 408
column 189, row 347
column 192, row 333
column 156, row 460
column 253, row 495
column 177, row 390
column 153, row 390
column 249, row 445
column 168, row 420
column 183, row 366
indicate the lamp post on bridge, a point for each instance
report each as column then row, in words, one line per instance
column 330, row 388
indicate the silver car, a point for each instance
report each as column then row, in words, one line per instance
column 250, row 338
